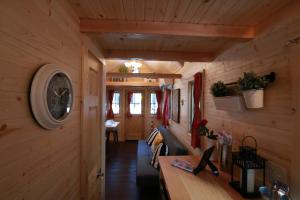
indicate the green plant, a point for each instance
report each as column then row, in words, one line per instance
column 202, row 129
column 123, row 69
column 251, row 81
column 219, row 89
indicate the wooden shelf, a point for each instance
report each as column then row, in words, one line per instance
column 140, row 84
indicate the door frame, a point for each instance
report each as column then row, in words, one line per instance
column 89, row 48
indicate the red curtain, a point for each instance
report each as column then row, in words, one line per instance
column 110, row 113
column 165, row 120
column 159, row 101
column 197, row 113
column 129, row 97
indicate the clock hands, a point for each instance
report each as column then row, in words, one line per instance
column 63, row 92
column 54, row 91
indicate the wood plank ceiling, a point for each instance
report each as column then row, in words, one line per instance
column 183, row 30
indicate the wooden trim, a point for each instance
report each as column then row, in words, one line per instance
column 143, row 75
column 166, row 28
column 159, row 55
column 139, row 84
column 89, row 49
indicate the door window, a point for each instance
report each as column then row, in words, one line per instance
column 136, row 104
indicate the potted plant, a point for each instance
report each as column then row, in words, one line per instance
column 123, row 69
column 219, row 89
column 252, row 87
column 223, row 98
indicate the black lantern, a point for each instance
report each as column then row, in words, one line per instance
column 249, row 164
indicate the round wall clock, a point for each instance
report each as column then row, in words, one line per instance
column 51, row 96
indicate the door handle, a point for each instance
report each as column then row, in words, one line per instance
column 100, row 174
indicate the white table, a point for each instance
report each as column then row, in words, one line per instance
column 112, row 127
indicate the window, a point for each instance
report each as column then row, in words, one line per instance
column 153, row 104
column 116, row 103
column 136, row 104
column 191, row 103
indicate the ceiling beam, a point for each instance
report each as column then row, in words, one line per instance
column 159, row 55
column 166, row 28
column 143, row 75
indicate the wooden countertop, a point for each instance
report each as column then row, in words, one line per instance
column 182, row 185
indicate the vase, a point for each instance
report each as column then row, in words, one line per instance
column 254, row 98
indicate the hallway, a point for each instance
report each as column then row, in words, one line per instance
column 121, row 174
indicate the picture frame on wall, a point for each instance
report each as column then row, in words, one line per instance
column 176, row 105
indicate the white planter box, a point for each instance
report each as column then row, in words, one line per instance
column 229, row 103
column 254, row 98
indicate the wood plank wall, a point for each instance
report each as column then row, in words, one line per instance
column 274, row 125
column 35, row 163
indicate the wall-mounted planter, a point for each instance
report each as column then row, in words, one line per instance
column 229, row 103
column 254, row 98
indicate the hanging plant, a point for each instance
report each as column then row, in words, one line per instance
column 253, row 86
column 219, row 89
column 251, row 81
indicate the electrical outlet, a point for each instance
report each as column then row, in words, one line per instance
column 275, row 172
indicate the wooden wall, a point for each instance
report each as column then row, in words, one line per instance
column 146, row 111
column 274, row 125
column 35, row 163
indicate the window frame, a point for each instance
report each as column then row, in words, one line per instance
column 191, row 103
column 117, row 114
column 150, row 102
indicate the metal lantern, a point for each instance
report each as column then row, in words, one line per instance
column 249, row 163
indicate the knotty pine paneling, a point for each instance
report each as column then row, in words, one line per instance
column 35, row 163
column 233, row 12
column 274, row 126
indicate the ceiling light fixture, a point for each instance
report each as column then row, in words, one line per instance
column 133, row 66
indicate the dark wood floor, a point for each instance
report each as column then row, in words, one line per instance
column 121, row 172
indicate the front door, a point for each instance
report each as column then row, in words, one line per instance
column 134, row 125
column 92, row 156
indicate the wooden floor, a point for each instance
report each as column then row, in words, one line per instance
column 121, row 173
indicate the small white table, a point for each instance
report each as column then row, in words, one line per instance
column 112, row 126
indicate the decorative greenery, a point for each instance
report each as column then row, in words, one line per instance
column 123, row 69
column 203, row 130
column 219, row 89
column 251, row 81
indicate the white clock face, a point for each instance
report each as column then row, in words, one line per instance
column 51, row 96
column 59, row 96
